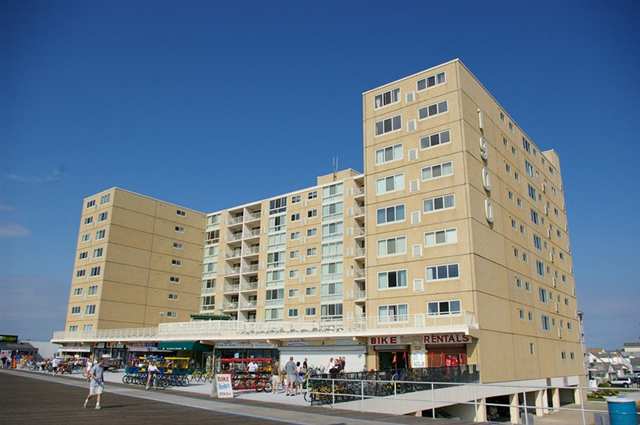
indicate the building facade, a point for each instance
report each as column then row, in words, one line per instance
column 451, row 249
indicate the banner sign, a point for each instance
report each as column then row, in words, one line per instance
column 223, row 386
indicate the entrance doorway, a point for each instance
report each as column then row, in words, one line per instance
column 391, row 360
column 446, row 356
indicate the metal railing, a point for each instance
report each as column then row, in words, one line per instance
column 359, row 251
column 250, row 268
column 232, row 270
column 248, row 304
column 234, row 220
column 357, row 191
column 252, row 250
column 251, row 233
column 233, row 305
column 231, row 287
column 359, row 294
column 358, row 231
column 233, row 254
column 421, row 395
column 234, row 237
column 249, row 286
column 359, row 273
column 252, row 216
column 416, row 324
column 358, row 211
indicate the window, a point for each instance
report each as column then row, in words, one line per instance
column 73, row 328
column 213, row 219
column 572, row 355
column 77, row 292
column 103, row 216
column 81, row 273
column 540, row 268
column 434, row 140
column 388, row 154
column 312, row 232
column 443, row 308
column 392, row 279
column 534, row 217
column 295, row 217
column 295, row 199
column 176, row 279
column 393, row 313
column 312, row 195
column 312, row 252
column 178, row 245
column 331, row 230
column 172, row 314
column 293, row 274
column 88, row 220
column 537, row 242
column 100, row 234
column 390, row 214
column 294, row 254
column 333, row 249
column 293, row 312
column 438, row 203
column 332, row 210
column 293, row 293
column 295, row 236
column 172, row 296
column 310, row 292
column 310, row 311
column 310, row 271
column 432, row 81
column 330, row 311
column 387, row 98
column 441, row 237
column 87, row 328
column 83, row 255
column 392, row 246
column 212, row 236
column 90, row 309
column 388, row 125
column 526, row 145
column 75, row 309
column 521, row 314
column 97, row 252
column 275, row 259
column 86, row 237
column 312, row 213
column 546, row 325
column 95, row 271
column 436, row 171
column 433, row 110
column 532, row 192
column 443, row 272
column 543, row 295
column 179, row 229
column 528, row 168
column 278, row 205
column 532, row 348
column 105, row 198
column 389, row 184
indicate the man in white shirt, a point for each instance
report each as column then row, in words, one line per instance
column 252, row 367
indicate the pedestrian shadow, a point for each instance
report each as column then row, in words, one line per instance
column 116, row 406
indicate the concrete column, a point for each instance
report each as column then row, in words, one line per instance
column 577, row 396
column 513, row 409
column 540, row 402
column 481, row 410
column 545, row 401
column 555, row 398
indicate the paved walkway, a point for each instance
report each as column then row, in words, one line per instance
column 42, row 399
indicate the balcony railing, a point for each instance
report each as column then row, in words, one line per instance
column 358, row 231
column 230, row 305
column 252, row 250
column 231, row 288
column 251, row 268
column 358, row 191
column 358, row 211
column 359, row 273
column 252, row 216
column 249, row 286
column 275, row 302
column 359, row 251
column 248, row 304
column 233, row 254
column 251, row 233
column 232, row 270
column 359, row 294
column 235, row 237
column 206, row 290
column 234, row 220
column 360, row 326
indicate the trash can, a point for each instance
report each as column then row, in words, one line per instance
column 622, row 411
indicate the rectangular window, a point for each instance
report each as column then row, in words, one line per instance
column 330, row 311
column 172, row 296
column 83, row 255
column 176, row 262
column 295, row 199
column 393, row 313
column 103, row 216
column 528, row 168
column 435, row 171
column 332, row 210
column 390, row 184
column 392, row 279
column 100, row 234
column 277, row 206
column 181, row 213
column 433, row 110
column 438, row 203
column 90, row 309
column 295, row 236
column 95, row 271
column 87, row 328
column 312, row 252
column 387, row 98
column 388, row 125
column 543, row 296
column 331, row 230
column 86, row 237
column 546, row 325
column 433, row 140
column 443, row 272
column 534, row 217
column 293, row 312
column 443, row 308
column 532, row 192
column 310, row 311
column 105, row 198
column 310, row 292
column 389, row 154
column 441, row 237
column 392, row 246
column 312, row 195
column 537, row 242
column 312, row 232
column 97, row 252
column 77, row 292
column 75, row 309
column 540, row 268
column 88, row 220
column 91, row 203
column 92, row 290
column 311, row 271
column 178, row 245
column 526, row 145
column 432, row 81
column 391, row 214
column 312, row 213
column 81, row 273
column 295, row 217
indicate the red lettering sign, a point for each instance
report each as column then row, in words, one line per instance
column 383, row 340
column 447, row 339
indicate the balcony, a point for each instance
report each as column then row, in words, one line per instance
column 251, row 233
column 359, row 274
column 233, row 237
column 251, row 305
column 207, row 308
column 274, row 302
column 224, row 330
column 252, row 216
column 250, row 269
column 249, row 286
column 251, row 251
column 234, row 220
column 206, row 290
column 358, row 192
column 359, row 252
column 359, row 294
column 233, row 254
column 230, row 287
column 358, row 212
column 232, row 270
column 358, row 232
column 230, row 305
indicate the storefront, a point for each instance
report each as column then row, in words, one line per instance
column 196, row 351
column 418, row 351
column 114, row 350
column 242, row 350
column 319, row 352
column 74, row 350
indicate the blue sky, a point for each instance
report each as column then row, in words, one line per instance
column 92, row 94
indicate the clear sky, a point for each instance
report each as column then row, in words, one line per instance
column 211, row 104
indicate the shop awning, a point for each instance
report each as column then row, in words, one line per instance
column 182, row 346
column 74, row 350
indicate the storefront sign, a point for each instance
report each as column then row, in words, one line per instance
column 384, row 340
column 223, row 386
column 447, row 339
column 418, row 358
column 9, row 338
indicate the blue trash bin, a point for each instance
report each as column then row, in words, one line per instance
column 622, row 411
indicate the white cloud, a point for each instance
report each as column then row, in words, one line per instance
column 55, row 175
column 12, row 230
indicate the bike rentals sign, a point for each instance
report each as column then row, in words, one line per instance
column 223, row 386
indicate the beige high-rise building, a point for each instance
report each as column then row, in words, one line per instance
column 138, row 263
column 450, row 250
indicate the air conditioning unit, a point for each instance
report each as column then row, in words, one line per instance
column 484, row 149
column 486, row 179
column 488, row 210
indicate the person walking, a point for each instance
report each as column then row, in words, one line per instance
column 290, row 369
column 275, row 378
column 152, row 372
column 96, row 383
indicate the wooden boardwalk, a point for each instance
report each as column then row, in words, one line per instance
column 44, row 400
